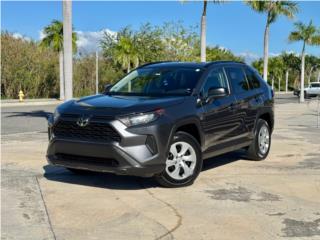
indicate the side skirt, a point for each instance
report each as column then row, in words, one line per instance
column 218, row 150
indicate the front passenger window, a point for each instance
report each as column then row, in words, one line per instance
column 215, row 79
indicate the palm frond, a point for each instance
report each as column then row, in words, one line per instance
column 295, row 36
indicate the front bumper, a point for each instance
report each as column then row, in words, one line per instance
column 131, row 156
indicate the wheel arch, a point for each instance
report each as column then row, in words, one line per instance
column 268, row 116
column 191, row 126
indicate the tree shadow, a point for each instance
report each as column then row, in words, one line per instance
column 120, row 182
column 37, row 114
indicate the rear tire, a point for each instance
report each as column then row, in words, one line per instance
column 184, row 162
column 260, row 146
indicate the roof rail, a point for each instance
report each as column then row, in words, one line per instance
column 146, row 64
column 223, row 61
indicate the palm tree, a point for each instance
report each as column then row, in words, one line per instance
column 309, row 35
column 67, row 47
column 203, row 30
column 53, row 39
column 273, row 8
column 126, row 53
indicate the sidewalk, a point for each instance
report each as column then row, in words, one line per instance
column 30, row 102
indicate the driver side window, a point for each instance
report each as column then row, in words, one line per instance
column 215, row 79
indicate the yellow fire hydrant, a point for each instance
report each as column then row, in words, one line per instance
column 21, row 96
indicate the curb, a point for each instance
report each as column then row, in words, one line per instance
column 22, row 104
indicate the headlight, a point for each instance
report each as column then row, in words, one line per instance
column 56, row 115
column 142, row 118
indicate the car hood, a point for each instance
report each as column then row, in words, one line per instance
column 118, row 105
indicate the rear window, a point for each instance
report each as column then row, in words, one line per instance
column 238, row 79
column 252, row 78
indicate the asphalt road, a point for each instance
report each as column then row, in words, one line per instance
column 24, row 119
column 33, row 118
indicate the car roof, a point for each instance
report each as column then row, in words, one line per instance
column 185, row 64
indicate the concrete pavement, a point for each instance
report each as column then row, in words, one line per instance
column 233, row 198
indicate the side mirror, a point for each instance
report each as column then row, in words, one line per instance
column 107, row 87
column 215, row 93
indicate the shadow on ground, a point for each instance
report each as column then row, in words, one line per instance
column 38, row 114
column 112, row 181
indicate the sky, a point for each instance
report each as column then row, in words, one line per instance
column 231, row 25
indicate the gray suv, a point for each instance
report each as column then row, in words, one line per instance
column 163, row 119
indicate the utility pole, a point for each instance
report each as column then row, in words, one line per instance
column 67, row 47
column 97, row 72
column 287, row 80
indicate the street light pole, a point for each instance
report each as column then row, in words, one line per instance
column 67, row 47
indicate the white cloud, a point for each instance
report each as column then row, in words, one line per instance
column 249, row 57
column 272, row 54
column 41, row 35
column 17, row 35
column 293, row 52
column 90, row 41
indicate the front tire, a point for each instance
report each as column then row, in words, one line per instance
column 260, row 146
column 184, row 162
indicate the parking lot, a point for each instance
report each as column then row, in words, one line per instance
column 233, row 198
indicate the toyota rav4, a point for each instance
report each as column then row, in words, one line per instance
column 163, row 119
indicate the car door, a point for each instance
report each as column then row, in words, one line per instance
column 217, row 118
column 314, row 89
column 311, row 90
column 247, row 101
column 256, row 92
column 318, row 89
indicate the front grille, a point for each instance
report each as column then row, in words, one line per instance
column 94, row 131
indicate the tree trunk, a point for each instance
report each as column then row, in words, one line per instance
column 302, row 74
column 203, row 31
column 272, row 83
column 129, row 83
column 266, row 51
column 97, row 72
column 279, row 84
column 67, row 47
column 62, row 97
column 287, row 79
column 310, row 74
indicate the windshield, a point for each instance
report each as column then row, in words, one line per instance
column 155, row 81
